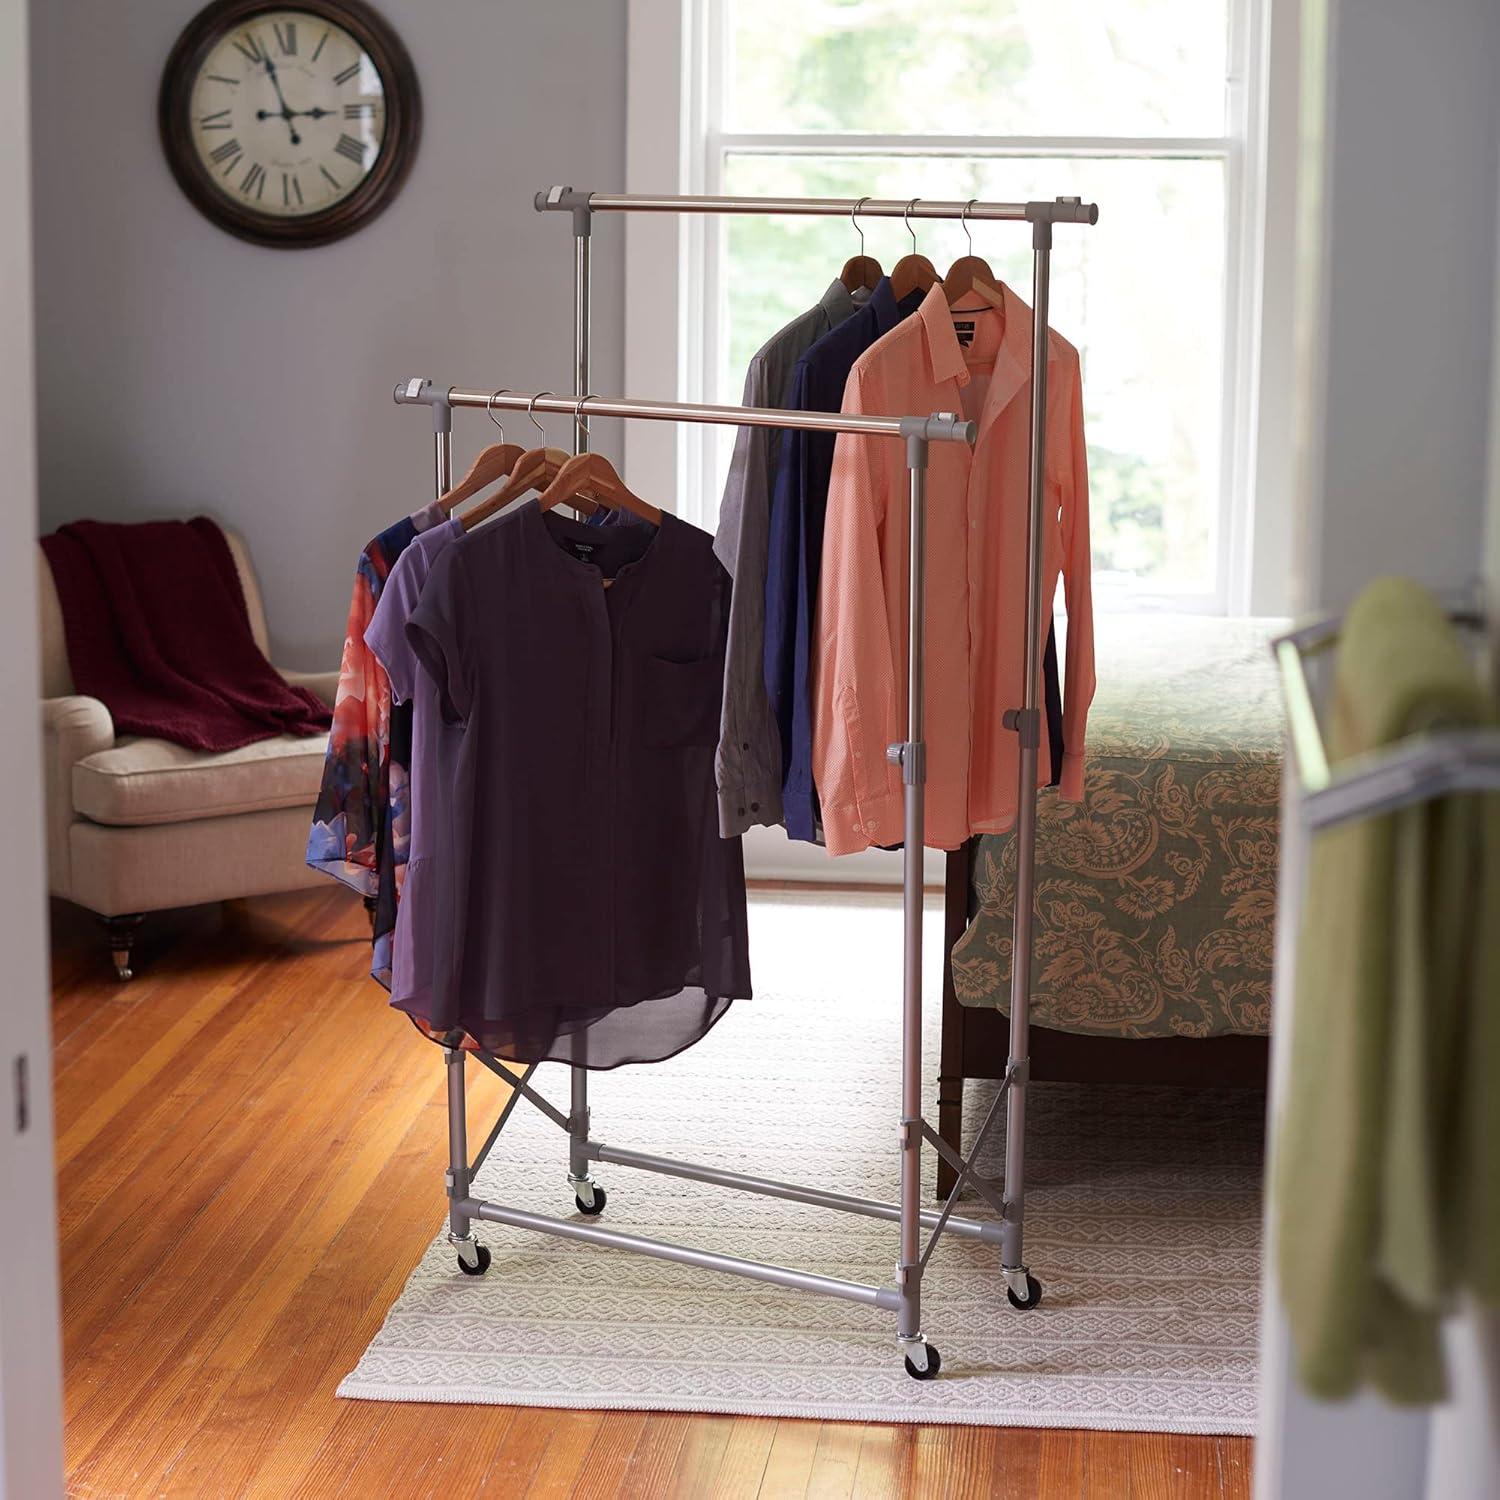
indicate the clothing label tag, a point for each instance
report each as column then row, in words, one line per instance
column 583, row 551
column 965, row 331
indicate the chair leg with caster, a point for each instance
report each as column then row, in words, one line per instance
column 121, row 933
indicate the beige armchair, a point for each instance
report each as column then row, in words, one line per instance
column 136, row 825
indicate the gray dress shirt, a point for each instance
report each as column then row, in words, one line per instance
column 747, row 766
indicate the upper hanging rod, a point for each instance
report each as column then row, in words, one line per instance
column 1047, row 210
column 941, row 427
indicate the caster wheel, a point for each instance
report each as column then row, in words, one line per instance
column 1032, row 1297
column 594, row 1209
column 934, row 1364
column 480, row 1266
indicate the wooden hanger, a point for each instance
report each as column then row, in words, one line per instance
column 971, row 273
column 861, row 272
column 912, row 272
column 535, row 469
column 593, row 474
column 494, row 462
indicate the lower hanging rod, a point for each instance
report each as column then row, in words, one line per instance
column 940, row 427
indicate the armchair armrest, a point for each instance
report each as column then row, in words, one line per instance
column 72, row 728
column 324, row 685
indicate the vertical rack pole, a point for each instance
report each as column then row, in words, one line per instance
column 582, row 316
column 912, row 758
column 1028, row 726
column 579, row 1176
column 442, row 447
column 458, row 1143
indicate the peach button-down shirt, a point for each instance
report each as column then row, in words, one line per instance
column 977, row 506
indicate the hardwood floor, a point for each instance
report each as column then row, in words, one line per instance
column 250, row 1149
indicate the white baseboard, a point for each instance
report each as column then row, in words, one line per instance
column 771, row 855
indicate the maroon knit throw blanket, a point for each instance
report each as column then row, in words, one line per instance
column 157, row 629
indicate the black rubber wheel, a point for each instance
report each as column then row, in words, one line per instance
column 1032, row 1297
column 934, row 1364
column 594, row 1209
column 479, row 1267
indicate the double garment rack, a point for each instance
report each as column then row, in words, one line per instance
column 918, row 432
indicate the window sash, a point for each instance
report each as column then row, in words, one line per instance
column 708, row 146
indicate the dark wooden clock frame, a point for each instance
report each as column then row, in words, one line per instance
column 403, row 122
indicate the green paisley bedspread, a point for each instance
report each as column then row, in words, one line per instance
column 1155, row 895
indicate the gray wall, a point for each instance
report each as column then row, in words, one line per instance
column 1401, row 343
column 31, row 1446
column 181, row 370
column 1396, row 308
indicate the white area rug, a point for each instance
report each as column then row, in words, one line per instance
column 1142, row 1223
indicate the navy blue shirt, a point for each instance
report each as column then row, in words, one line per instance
column 794, row 557
column 799, row 506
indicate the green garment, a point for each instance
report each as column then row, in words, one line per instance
column 1388, row 1156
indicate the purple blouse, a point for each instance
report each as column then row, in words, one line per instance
column 591, row 912
column 416, row 917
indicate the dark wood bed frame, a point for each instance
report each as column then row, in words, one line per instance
column 976, row 1040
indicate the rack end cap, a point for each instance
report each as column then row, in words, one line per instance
column 940, row 427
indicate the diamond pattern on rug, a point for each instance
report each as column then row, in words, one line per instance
column 1143, row 1224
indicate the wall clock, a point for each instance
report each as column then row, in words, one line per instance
column 289, row 125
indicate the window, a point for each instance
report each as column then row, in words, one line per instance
column 1142, row 105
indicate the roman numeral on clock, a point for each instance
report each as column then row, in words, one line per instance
column 254, row 180
column 287, row 42
column 316, row 50
column 229, row 152
column 218, row 120
column 345, row 74
column 338, row 186
column 358, row 111
column 250, row 48
column 352, row 149
column 290, row 188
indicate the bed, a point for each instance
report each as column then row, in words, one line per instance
column 1155, row 895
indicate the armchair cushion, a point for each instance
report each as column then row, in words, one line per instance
column 146, row 781
column 73, row 727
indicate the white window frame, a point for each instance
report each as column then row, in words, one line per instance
column 677, row 57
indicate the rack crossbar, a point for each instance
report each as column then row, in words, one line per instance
column 941, row 427
column 1056, row 211
column 705, row 1260
column 870, row 1208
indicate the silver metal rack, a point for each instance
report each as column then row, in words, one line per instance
column 918, row 432
column 1426, row 766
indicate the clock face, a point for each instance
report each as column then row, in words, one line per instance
column 289, row 125
column 288, row 113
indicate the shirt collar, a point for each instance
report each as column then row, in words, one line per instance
column 1012, row 359
column 882, row 306
column 837, row 303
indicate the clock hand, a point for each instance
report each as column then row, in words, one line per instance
column 286, row 114
column 317, row 113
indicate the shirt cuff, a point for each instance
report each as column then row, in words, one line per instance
column 1071, row 785
column 744, row 807
column 879, row 820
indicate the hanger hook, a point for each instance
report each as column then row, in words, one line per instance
column 580, row 416
column 489, row 407
column 531, row 410
column 906, row 219
column 963, row 220
column 855, row 222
